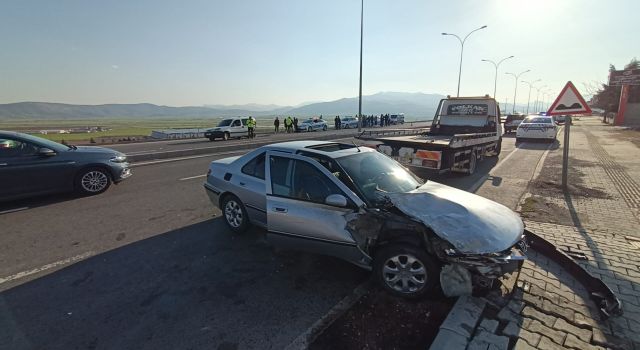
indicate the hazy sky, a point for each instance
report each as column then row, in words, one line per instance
column 288, row 52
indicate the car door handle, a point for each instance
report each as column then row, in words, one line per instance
column 242, row 184
column 280, row 210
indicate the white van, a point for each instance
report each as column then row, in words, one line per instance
column 227, row 128
column 396, row 119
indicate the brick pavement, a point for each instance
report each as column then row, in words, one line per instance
column 548, row 308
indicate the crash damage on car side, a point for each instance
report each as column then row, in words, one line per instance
column 419, row 219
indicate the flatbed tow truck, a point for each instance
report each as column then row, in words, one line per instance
column 464, row 131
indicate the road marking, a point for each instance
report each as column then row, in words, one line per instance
column 182, row 158
column 484, row 178
column 13, row 210
column 46, row 267
column 192, row 177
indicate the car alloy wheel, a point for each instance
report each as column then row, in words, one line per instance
column 404, row 273
column 233, row 213
column 324, row 128
column 94, row 181
column 309, row 129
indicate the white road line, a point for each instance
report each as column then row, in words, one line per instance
column 46, row 267
column 13, row 210
column 192, row 177
column 484, row 178
column 160, row 161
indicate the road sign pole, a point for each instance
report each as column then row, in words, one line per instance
column 565, row 153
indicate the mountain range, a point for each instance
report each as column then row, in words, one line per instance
column 416, row 105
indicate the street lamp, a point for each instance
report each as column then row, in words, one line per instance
column 530, row 83
column 496, row 65
column 536, row 106
column 360, row 91
column 515, row 90
column 461, row 52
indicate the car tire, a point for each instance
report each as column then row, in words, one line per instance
column 473, row 163
column 498, row 149
column 324, row 128
column 346, row 126
column 234, row 213
column 518, row 140
column 417, row 273
column 212, row 139
column 225, row 136
column 92, row 181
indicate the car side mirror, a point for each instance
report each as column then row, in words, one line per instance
column 46, row 152
column 336, row 200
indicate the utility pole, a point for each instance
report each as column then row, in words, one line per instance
column 496, row 65
column 515, row 90
column 530, row 83
column 360, row 91
column 462, row 51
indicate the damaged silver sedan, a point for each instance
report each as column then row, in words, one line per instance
column 362, row 206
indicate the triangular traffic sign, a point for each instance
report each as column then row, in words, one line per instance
column 569, row 102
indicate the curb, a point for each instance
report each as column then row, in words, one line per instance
column 213, row 150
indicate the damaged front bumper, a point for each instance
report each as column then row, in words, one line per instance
column 463, row 272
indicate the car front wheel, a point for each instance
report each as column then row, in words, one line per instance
column 405, row 270
column 234, row 213
column 92, row 181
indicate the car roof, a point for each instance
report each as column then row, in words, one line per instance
column 310, row 146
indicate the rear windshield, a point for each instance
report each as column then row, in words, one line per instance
column 538, row 120
column 468, row 109
column 514, row 117
column 225, row 122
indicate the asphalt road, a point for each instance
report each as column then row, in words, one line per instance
column 150, row 265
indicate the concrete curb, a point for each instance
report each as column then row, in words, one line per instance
column 457, row 329
column 220, row 148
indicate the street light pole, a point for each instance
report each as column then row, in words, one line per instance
column 536, row 103
column 461, row 52
column 515, row 90
column 496, row 65
column 360, row 90
column 530, row 83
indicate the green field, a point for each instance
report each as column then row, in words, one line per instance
column 118, row 128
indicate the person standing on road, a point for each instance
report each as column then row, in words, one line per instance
column 288, row 123
column 276, row 125
column 295, row 124
column 251, row 125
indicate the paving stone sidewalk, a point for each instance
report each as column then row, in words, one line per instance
column 547, row 308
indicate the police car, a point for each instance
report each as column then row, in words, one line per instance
column 537, row 127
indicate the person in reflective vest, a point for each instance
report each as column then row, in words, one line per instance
column 251, row 125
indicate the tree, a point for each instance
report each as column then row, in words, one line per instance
column 608, row 97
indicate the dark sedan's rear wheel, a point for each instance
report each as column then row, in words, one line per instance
column 405, row 270
column 92, row 181
column 212, row 138
column 235, row 214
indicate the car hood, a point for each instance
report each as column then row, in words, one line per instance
column 472, row 224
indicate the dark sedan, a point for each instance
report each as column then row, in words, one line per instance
column 31, row 166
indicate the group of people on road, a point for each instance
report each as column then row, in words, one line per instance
column 290, row 125
column 367, row 121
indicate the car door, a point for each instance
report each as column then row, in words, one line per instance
column 297, row 216
column 236, row 128
column 250, row 186
column 24, row 171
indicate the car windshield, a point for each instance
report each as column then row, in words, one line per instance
column 538, row 120
column 375, row 174
column 225, row 122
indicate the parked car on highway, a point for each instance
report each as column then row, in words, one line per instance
column 396, row 119
column 312, row 124
column 537, row 127
column 360, row 205
column 228, row 128
column 512, row 122
column 32, row 166
column 349, row 122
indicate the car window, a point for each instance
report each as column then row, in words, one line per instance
column 225, row 122
column 255, row 167
column 538, row 120
column 244, row 122
column 236, row 123
column 10, row 148
column 301, row 180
